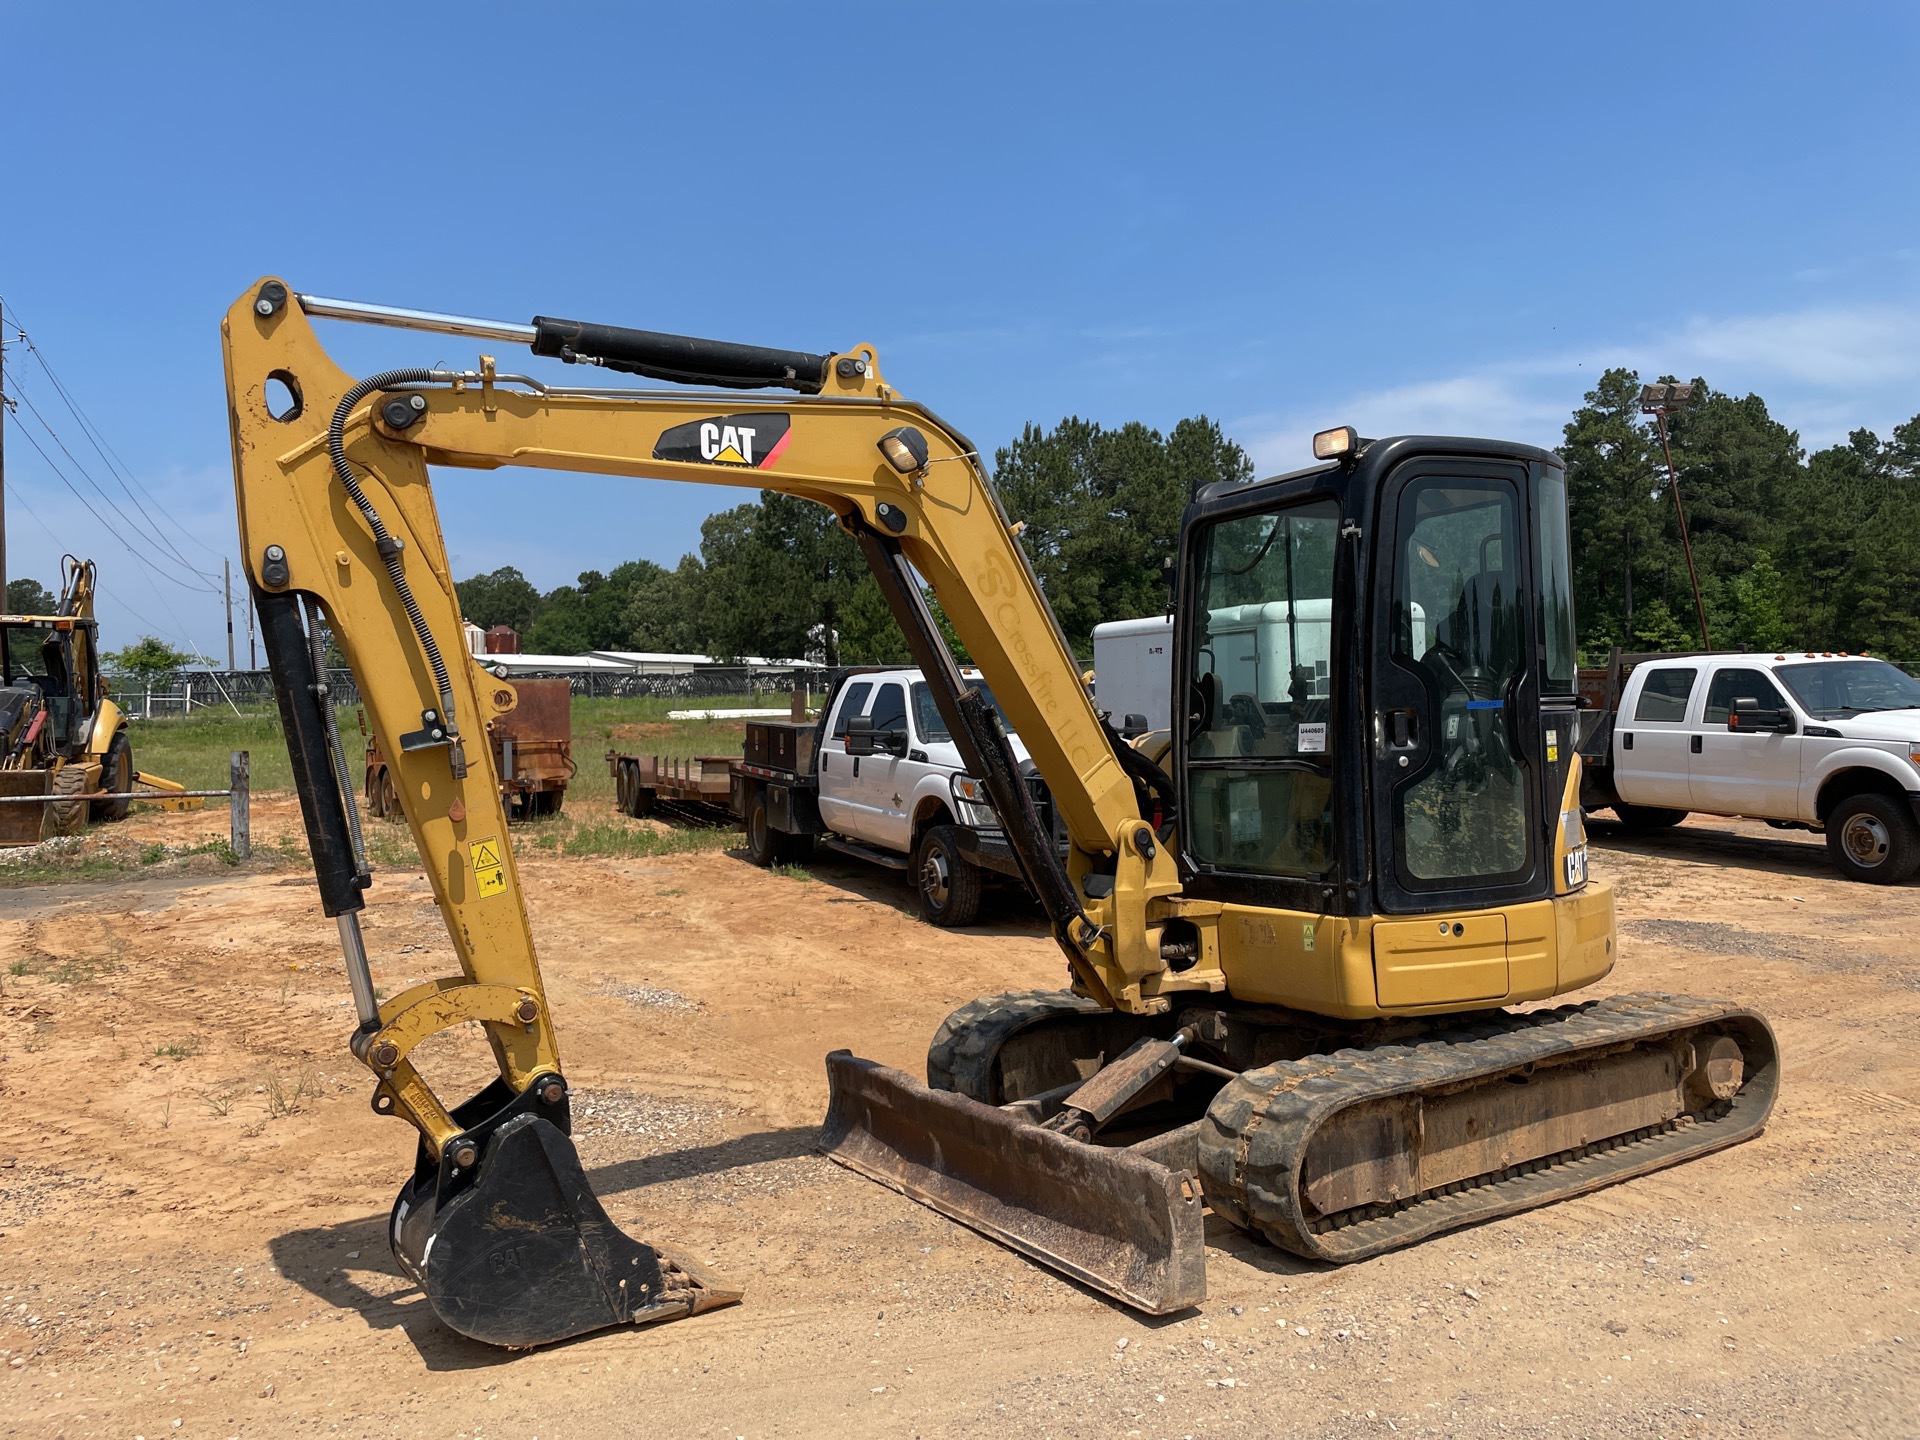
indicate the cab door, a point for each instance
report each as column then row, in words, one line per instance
column 882, row 790
column 837, row 769
column 1455, row 763
column 1653, row 746
column 1743, row 772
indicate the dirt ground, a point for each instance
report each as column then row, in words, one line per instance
column 193, row 1189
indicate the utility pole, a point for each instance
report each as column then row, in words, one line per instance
column 1659, row 401
column 252, row 662
column 226, row 569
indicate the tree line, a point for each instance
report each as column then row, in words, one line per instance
column 1818, row 551
column 779, row 578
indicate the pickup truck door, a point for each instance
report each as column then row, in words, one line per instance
column 878, row 800
column 836, row 768
column 1651, row 744
column 1737, row 772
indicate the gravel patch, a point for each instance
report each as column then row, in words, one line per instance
column 651, row 997
column 627, row 1114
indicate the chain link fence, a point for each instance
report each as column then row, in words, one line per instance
column 192, row 690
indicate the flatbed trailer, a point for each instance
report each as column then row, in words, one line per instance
column 696, row 787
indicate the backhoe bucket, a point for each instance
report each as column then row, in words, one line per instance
column 20, row 824
column 526, row 1255
column 1110, row 1218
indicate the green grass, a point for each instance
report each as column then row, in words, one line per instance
column 613, row 835
column 194, row 749
column 793, row 872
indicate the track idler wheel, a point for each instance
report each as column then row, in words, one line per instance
column 513, row 1248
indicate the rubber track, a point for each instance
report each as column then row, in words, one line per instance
column 968, row 1041
column 1260, row 1126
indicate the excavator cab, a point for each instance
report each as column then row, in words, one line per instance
column 1412, row 756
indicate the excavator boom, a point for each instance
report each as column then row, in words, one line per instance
column 1242, row 911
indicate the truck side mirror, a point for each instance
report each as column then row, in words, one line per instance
column 860, row 735
column 1133, row 726
column 892, row 742
column 1747, row 715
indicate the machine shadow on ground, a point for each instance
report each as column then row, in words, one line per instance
column 1804, row 857
column 311, row 1257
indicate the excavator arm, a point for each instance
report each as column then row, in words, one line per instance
column 341, row 539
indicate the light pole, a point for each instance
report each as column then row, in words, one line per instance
column 1661, row 400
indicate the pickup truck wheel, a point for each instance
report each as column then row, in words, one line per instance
column 765, row 845
column 1872, row 838
column 1648, row 817
column 948, row 882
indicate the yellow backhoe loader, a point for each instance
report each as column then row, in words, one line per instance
column 1293, row 954
column 60, row 735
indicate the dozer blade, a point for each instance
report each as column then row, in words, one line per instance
column 1110, row 1218
column 526, row 1255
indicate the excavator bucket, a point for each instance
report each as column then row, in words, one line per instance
column 526, row 1255
column 1113, row 1218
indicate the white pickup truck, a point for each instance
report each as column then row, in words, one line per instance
column 897, row 796
column 1810, row 741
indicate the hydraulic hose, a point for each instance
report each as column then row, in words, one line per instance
column 389, row 547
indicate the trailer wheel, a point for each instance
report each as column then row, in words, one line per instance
column 765, row 845
column 948, row 882
column 1642, row 818
column 390, row 797
column 543, row 803
column 116, row 774
column 1872, row 839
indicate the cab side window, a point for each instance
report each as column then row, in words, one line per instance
column 1664, row 695
column 890, row 709
column 1731, row 685
column 852, row 702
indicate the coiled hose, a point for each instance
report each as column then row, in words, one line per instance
column 389, row 547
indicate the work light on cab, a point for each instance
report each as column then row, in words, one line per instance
column 1336, row 444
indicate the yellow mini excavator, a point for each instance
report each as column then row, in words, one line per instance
column 1295, row 954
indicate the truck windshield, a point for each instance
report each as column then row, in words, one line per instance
column 927, row 723
column 1850, row 687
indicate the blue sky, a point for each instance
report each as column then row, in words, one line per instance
column 1407, row 217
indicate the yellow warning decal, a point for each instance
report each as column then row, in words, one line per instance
column 489, row 874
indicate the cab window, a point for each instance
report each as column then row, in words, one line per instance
column 890, row 708
column 1664, row 695
column 1731, row 685
column 852, row 701
column 1259, row 740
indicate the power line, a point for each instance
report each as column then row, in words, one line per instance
column 152, row 532
column 107, row 525
column 118, row 467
